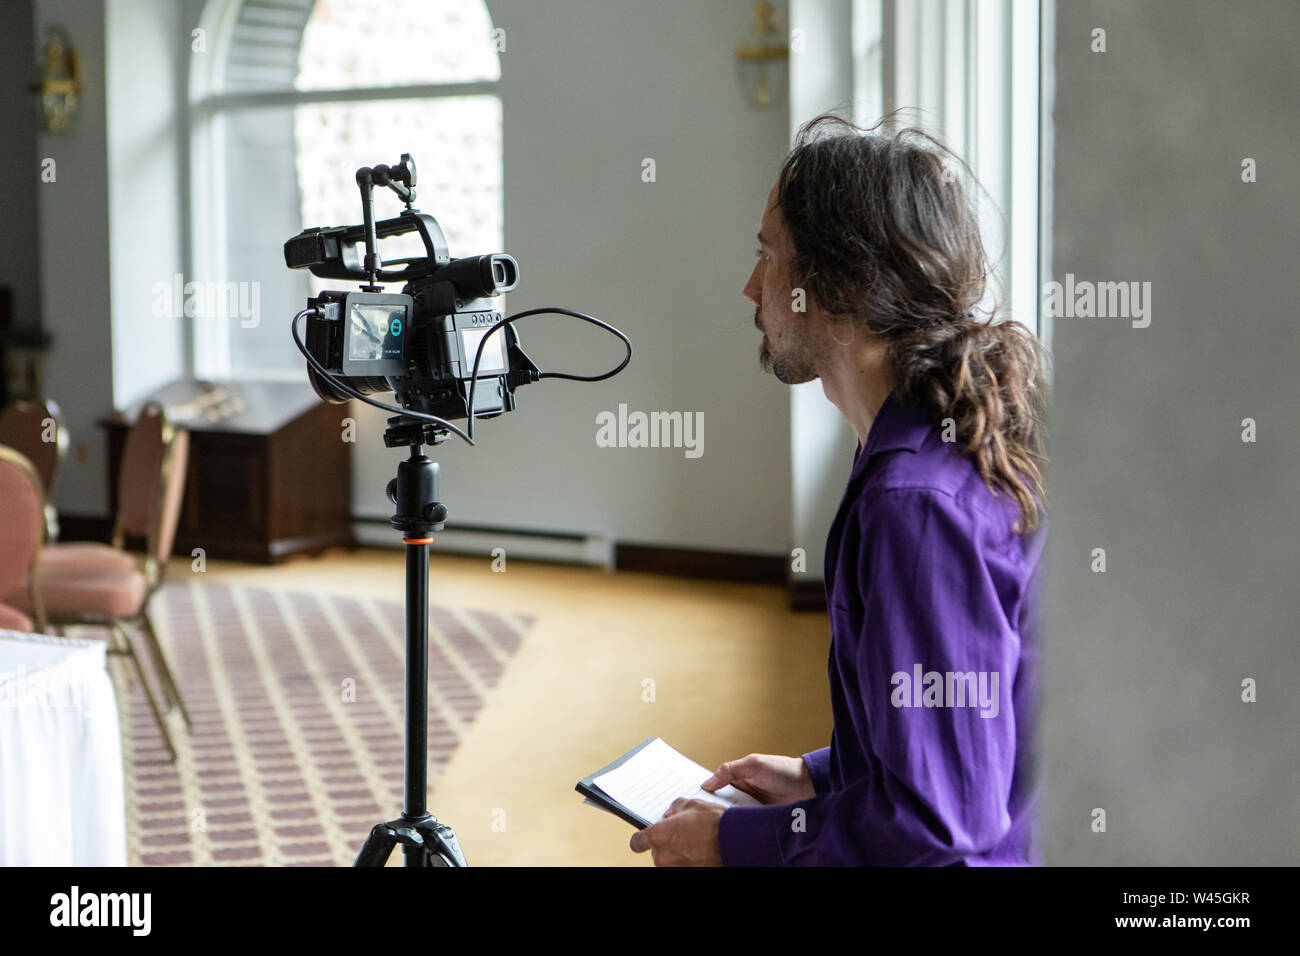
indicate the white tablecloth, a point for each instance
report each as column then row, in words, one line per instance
column 62, row 801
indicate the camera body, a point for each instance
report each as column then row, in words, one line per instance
column 419, row 344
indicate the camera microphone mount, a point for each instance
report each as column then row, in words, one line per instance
column 401, row 180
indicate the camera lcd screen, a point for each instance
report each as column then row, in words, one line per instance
column 375, row 331
column 494, row 355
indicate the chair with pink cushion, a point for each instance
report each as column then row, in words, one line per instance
column 35, row 429
column 14, row 620
column 22, row 529
column 99, row 584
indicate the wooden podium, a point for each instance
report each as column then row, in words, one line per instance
column 269, row 472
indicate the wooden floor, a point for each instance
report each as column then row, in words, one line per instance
column 716, row 670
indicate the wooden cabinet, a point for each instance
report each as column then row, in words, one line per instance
column 269, row 473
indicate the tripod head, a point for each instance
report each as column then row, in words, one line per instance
column 415, row 491
column 404, row 431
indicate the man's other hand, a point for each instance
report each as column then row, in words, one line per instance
column 686, row 836
column 765, row 777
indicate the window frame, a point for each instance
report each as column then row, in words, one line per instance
column 979, row 72
column 206, row 341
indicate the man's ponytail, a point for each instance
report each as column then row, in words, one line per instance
column 985, row 384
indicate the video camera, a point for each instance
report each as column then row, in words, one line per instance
column 418, row 345
column 428, row 344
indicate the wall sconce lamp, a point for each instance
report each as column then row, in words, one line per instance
column 60, row 84
column 763, row 60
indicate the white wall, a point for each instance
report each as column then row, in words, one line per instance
column 589, row 90
column 144, row 137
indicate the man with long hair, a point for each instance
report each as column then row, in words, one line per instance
column 869, row 275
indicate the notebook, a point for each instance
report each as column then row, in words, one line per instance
column 640, row 785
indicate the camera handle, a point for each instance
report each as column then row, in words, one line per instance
column 425, row 841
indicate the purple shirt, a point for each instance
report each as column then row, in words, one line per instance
column 933, row 672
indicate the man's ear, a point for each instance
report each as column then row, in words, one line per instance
column 836, row 330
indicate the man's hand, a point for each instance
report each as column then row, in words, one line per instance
column 765, row 777
column 686, row 836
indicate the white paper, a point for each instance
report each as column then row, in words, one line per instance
column 649, row 781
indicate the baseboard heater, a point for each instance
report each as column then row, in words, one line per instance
column 567, row 547
column 559, row 546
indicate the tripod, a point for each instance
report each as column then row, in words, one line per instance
column 425, row 841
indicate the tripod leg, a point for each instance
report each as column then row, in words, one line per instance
column 442, row 846
column 378, row 847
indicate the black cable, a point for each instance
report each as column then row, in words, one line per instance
column 550, row 310
column 349, row 390
column 478, row 357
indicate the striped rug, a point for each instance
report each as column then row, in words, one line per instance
column 297, row 704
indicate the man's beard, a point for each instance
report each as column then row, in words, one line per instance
column 790, row 369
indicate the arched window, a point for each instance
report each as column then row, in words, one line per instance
column 292, row 97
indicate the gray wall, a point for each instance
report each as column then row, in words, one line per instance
column 72, row 222
column 109, row 226
column 1144, row 716
column 19, row 267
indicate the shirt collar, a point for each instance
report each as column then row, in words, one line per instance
column 896, row 427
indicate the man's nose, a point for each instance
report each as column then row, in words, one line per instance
column 753, row 290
